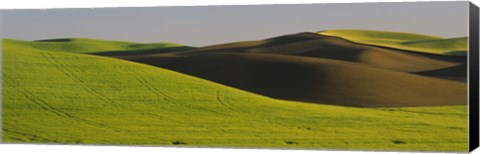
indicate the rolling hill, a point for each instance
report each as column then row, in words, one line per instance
column 404, row 41
column 321, row 69
column 316, row 80
column 61, row 97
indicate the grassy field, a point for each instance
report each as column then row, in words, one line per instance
column 405, row 41
column 62, row 97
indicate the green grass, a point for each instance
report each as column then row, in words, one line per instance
column 84, row 45
column 405, row 41
column 61, row 97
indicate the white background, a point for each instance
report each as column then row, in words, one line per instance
column 74, row 149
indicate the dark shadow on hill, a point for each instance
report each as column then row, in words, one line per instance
column 316, row 80
column 143, row 52
column 460, row 52
column 56, row 40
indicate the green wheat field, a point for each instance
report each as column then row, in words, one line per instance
column 333, row 89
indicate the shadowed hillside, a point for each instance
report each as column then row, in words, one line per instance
column 322, row 69
column 316, row 80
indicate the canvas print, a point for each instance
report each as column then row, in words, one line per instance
column 358, row 76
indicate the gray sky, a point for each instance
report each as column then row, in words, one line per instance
column 206, row 25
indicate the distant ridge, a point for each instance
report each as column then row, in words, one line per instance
column 86, row 45
column 405, row 41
